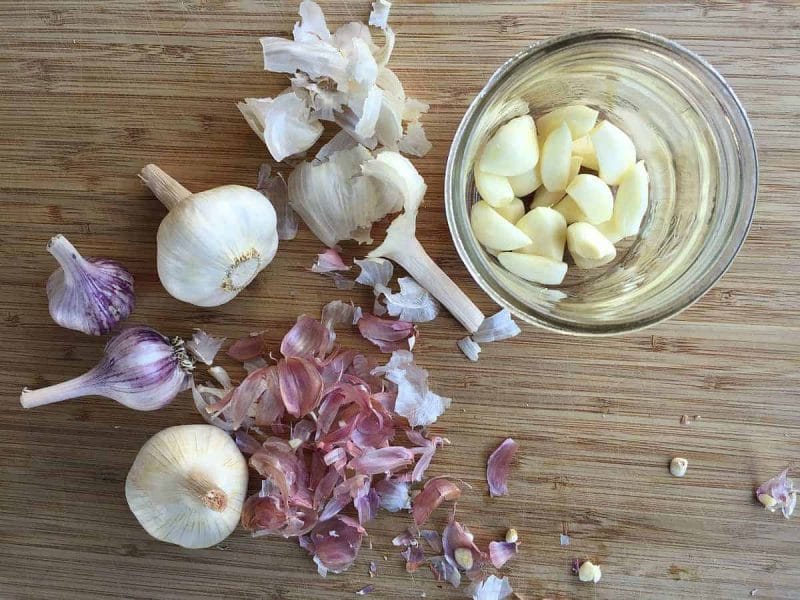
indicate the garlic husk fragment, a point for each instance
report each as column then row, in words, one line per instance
column 141, row 369
column 212, row 244
column 187, row 485
column 90, row 295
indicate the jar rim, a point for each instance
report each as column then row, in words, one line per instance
column 743, row 135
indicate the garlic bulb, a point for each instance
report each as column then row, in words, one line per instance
column 187, row 485
column 90, row 295
column 141, row 369
column 212, row 244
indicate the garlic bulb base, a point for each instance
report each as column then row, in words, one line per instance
column 243, row 270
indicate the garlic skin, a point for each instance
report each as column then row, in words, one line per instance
column 141, row 369
column 212, row 244
column 90, row 295
column 187, row 485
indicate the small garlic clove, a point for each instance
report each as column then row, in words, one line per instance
column 537, row 269
column 589, row 572
column 494, row 189
column 583, row 148
column 492, row 230
column 589, row 248
column 512, row 150
column 187, row 485
column 556, row 159
column 544, row 197
column 678, row 466
column 513, row 211
column 91, row 295
column 548, row 230
column 593, row 197
column 580, row 120
column 615, row 152
column 525, row 183
column 570, row 210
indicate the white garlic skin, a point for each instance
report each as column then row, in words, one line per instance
column 187, row 485
column 213, row 244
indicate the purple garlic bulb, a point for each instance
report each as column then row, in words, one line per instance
column 90, row 295
column 141, row 369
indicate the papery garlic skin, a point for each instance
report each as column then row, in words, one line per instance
column 212, row 244
column 187, row 485
column 90, row 295
column 141, row 369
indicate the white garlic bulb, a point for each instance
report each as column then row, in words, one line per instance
column 212, row 244
column 187, row 485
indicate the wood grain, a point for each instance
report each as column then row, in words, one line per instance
column 90, row 91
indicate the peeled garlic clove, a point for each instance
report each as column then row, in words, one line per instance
column 187, row 485
column 615, row 152
column 495, row 189
column 631, row 201
column 513, row 149
column 525, row 183
column 583, row 148
column 90, row 295
column 556, row 159
column 534, row 268
column 589, row 248
column 494, row 231
column 548, row 230
column 593, row 197
column 513, row 211
column 211, row 245
column 570, row 210
column 544, row 197
column 579, row 119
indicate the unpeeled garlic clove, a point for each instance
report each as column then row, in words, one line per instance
column 494, row 231
column 187, row 485
column 593, row 197
column 513, row 149
column 580, row 120
column 530, row 267
column 548, row 230
column 212, row 244
column 556, row 159
column 495, row 189
column 589, row 248
column 615, row 152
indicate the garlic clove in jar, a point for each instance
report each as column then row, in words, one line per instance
column 187, row 485
column 212, row 244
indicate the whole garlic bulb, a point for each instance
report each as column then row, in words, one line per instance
column 212, row 244
column 187, row 485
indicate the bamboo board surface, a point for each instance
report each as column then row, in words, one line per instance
column 90, row 91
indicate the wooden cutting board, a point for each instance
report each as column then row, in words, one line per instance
column 90, row 91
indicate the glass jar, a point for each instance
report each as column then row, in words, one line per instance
column 698, row 147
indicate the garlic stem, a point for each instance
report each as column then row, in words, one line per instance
column 82, row 385
column 164, row 187
column 208, row 493
column 67, row 256
column 413, row 258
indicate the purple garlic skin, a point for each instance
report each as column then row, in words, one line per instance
column 91, row 295
column 141, row 369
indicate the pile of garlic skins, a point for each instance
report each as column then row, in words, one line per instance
column 567, row 163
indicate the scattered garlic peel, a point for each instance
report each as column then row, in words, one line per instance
column 778, row 493
column 415, row 142
column 335, row 544
column 470, row 348
column 329, row 261
column 394, row 494
column 460, row 550
column 491, row 588
column 380, row 13
column 277, row 192
column 431, row 497
column 412, row 303
column 500, row 326
column 501, row 552
column 204, row 347
column 415, row 401
column 248, row 347
column 382, row 460
column 498, row 467
column 415, row 558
